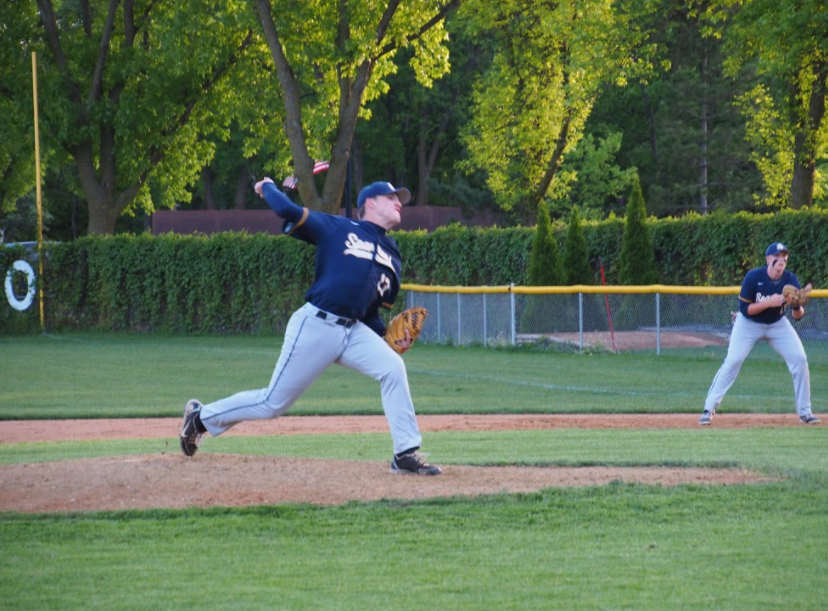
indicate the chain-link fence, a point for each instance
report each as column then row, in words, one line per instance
column 670, row 320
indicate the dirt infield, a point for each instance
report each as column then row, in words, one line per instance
column 635, row 340
column 170, row 480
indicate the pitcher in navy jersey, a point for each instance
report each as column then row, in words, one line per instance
column 761, row 315
column 358, row 271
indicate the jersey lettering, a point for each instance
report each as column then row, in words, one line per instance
column 383, row 258
column 365, row 250
column 358, row 248
column 384, row 285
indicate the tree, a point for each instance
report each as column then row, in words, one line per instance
column 127, row 87
column 787, row 42
column 636, row 261
column 577, row 269
column 550, row 60
column 545, row 269
column 545, row 260
column 417, row 127
column 17, row 163
column 334, row 64
column 681, row 129
column 227, row 179
column 591, row 178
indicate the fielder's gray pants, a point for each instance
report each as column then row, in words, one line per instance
column 311, row 345
column 784, row 339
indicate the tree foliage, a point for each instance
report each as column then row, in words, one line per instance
column 577, row 269
column 550, row 61
column 786, row 111
column 680, row 127
column 412, row 137
column 338, row 61
column 17, row 171
column 143, row 102
column 545, row 266
column 126, row 89
column 637, row 262
column 591, row 178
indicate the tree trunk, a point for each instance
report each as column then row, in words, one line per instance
column 703, row 203
column 427, row 158
column 351, row 91
column 242, row 185
column 805, row 142
column 421, row 196
column 74, row 217
column 207, row 181
column 98, row 194
column 101, row 217
column 802, row 183
column 291, row 95
column 551, row 169
column 358, row 169
column 651, row 123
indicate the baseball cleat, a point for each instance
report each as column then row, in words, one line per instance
column 190, row 436
column 706, row 418
column 414, row 464
column 809, row 419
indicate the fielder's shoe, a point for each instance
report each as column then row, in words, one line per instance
column 190, row 435
column 706, row 418
column 413, row 463
column 809, row 419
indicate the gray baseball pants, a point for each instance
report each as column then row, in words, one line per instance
column 311, row 345
column 784, row 339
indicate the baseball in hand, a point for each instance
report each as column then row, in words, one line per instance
column 258, row 186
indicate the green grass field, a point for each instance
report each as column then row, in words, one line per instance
column 619, row 546
column 104, row 376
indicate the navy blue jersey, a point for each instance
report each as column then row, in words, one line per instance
column 757, row 287
column 358, row 265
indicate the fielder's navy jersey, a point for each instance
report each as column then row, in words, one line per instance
column 358, row 265
column 757, row 287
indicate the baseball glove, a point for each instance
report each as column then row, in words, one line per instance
column 404, row 328
column 795, row 297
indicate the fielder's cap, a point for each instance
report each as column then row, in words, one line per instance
column 775, row 249
column 383, row 188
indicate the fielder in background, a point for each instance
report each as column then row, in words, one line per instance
column 765, row 295
column 357, row 272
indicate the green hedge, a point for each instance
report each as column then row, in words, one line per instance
column 457, row 255
column 717, row 250
column 11, row 320
column 243, row 283
column 230, row 282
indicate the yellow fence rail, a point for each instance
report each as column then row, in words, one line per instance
column 615, row 318
column 587, row 289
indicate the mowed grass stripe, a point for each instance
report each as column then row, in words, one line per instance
column 119, row 375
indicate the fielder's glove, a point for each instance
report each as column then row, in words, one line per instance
column 795, row 297
column 404, row 328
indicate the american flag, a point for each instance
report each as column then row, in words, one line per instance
column 319, row 166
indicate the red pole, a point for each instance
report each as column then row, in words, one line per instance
column 609, row 316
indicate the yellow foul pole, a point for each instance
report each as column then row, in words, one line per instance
column 39, row 196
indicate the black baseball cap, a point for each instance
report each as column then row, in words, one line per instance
column 383, row 188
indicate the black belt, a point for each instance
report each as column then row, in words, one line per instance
column 342, row 322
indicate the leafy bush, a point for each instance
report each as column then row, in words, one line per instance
column 243, row 283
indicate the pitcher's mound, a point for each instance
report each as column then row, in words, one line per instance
column 211, row 479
